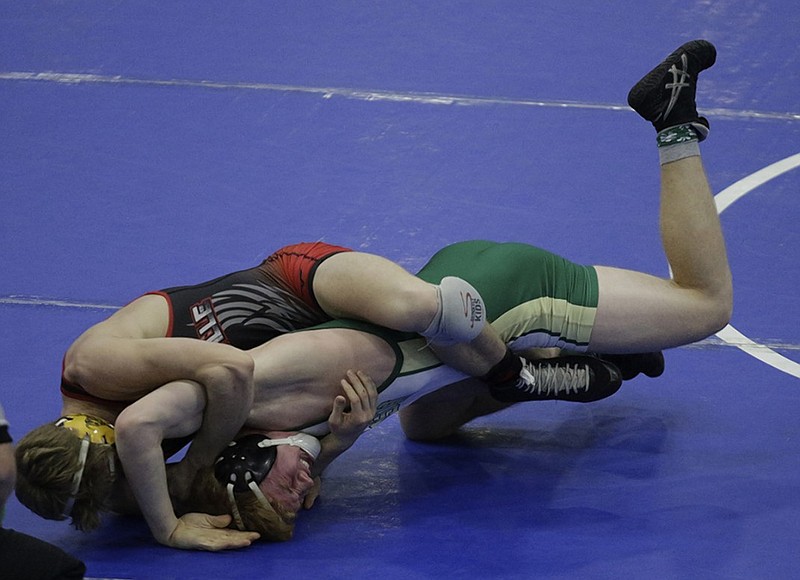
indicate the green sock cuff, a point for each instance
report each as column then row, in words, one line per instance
column 677, row 143
column 676, row 135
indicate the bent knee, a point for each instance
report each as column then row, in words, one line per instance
column 413, row 308
column 716, row 313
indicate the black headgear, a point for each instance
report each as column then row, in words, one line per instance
column 243, row 456
column 246, row 462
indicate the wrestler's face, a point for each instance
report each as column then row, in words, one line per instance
column 289, row 480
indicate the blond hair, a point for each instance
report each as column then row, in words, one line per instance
column 47, row 460
column 210, row 496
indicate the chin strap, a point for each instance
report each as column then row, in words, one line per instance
column 234, row 508
column 304, row 441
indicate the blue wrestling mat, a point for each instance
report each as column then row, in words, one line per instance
column 149, row 144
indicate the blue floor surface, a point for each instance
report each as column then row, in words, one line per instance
column 150, row 144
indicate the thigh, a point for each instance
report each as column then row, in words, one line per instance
column 369, row 287
column 638, row 312
column 296, row 267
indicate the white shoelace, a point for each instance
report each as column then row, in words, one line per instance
column 555, row 379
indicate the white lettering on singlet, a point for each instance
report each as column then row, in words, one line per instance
column 205, row 322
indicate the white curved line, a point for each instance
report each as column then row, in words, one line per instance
column 744, row 186
column 723, row 200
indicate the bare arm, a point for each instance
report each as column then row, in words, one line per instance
column 127, row 358
column 229, row 395
column 347, row 425
column 174, row 410
column 129, row 368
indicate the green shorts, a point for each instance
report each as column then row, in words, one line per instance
column 533, row 298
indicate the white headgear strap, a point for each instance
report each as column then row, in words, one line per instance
column 304, row 441
column 76, row 479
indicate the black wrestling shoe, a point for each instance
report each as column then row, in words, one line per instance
column 630, row 365
column 666, row 95
column 576, row 378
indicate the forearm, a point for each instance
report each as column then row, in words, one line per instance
column 347, row 425
column 332, row 447
column 143, row 463
column 229, row 395
column 174, row 410
column 146, row 472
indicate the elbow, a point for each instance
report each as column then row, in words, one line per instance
column 136, row 429
column 76, row 364
column 722, row 318
column 241, row 372
column 234, row 376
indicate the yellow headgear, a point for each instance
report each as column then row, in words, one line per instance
column 90, row 430
column 97, row 430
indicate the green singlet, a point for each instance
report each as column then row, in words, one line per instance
column 533, row 297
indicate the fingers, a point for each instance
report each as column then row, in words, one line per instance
column 220, row 521
column 228, row 542
column 313, row 494
column 339, row 404
column 351, row 390
column 232, row 541
column 205, row 532
column 360, row 390
column 353, row 411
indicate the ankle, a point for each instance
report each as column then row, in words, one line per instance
column 676, row 143
column 504, row 372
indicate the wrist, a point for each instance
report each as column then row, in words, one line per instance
column 334, row 442
column 164, row 531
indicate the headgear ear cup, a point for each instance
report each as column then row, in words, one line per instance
column 245, row 456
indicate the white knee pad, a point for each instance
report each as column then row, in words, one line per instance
column 461, row 315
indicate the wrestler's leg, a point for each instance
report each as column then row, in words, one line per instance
column 479, row 357
column 369, row 287
column 639, row 312
column 441, row 413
